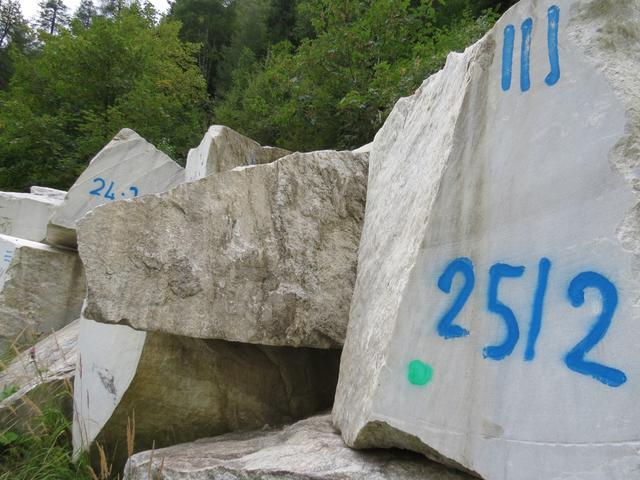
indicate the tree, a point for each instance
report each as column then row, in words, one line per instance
column 111, row 8
column 86, row 12
column 88, row 83
column 15, row 38
column 10, row 18
column 336, row 88
column 53, row 16
column 207, row 22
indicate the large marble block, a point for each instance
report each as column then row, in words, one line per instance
column 264, row 254
column 495, row 318
column 125, row 168
column 223, row 149
column 41, row 290
column 25, row 215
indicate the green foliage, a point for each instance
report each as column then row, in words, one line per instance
column 301, row 74
column 7, row 391
column 87, row 84
column 208, row 23
column 44, row 453
column 335, row 90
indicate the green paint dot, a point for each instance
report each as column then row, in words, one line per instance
column 419, row 373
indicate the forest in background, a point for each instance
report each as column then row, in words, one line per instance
column 299, row 74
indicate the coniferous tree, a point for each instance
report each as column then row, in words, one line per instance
column 14, row 35
column 209, row 23
column 86, row 12
column 10, row 19
column 53, row 16
column 112, row 8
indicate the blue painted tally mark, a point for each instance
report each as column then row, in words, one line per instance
column 507, row 56
column 575, row 358
column 552, row 40
column 538, row 304
column 496, row 273
column 462, row 265
column 525, row 55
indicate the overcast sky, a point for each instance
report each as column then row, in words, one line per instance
column 30, row 7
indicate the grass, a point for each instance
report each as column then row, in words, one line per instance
column 44, row 453
column 42, row 449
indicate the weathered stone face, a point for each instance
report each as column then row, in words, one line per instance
column 308, row 449
column 180, row 389
column 25, row 215
column 125, row 168
column 495, row 319
column 263, row 254
column 41, row 290
column 224, row 149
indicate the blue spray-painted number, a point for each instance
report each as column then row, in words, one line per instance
column 496, row 273
column 553, row 17
column 552, row 40
column 8, row 256
column 575, row 358
column 462, row 265
column 525, row 55
column 538, row 303
column 507, row 56
column 99, row 189
column 110, row 194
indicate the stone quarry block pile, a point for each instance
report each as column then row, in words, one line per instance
column 469, row 280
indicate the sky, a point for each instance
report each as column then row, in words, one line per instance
column 30, row 7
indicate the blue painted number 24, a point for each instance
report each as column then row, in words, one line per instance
column 575, row 358
column 109, row 194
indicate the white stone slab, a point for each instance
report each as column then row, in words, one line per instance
column 41, row 289
column 532, row 175
column 49, row 192
column 26, row 215
column 125, row 168
column 41, row 377
column 223, row 149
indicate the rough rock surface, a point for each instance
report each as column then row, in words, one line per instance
column 180, row 389
column 500, row 166
column 263, row 254
column 41, row 289
column 39, row 377
column 309, row 449
column 125, row 168
column 25, row 215
column 224, row 149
